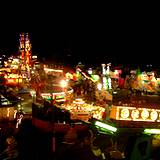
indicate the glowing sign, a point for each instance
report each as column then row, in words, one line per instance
column 135, row 114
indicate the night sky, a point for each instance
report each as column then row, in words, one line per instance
column 90, row 38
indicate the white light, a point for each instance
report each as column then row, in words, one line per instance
column 109, row 83
column 103, row 69
column 63, row 83
column 104, row 83
column 90, row 71
column 99, row 86
column 15, row 113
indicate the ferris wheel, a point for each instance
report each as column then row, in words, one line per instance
column 25, row 52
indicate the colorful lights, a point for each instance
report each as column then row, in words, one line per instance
column 12, row 75
column 78, row 70
column 47, row 96
column 81, row 110
column 53, row 70
column 57, row 96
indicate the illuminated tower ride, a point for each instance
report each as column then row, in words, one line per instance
column 25, row 50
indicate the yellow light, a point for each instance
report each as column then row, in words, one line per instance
column 125, row 113
column 144, row 114
column 10, row 80
column 154, row 115
column 54, row 70
column 45, row 94
column 8, row 112
column 135, row 114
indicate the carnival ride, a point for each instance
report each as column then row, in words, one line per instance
column 53, row 86
column 26, row 53
column 79, row 109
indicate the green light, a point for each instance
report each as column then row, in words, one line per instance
column 60, row 96
column 49, row 98
column 152, row 131
column 106, row 126
column 95, row 77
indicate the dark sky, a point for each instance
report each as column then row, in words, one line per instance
column 118, row 37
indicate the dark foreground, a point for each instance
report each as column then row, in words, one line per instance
column 33, row 144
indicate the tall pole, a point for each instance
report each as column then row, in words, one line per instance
column 53, row 126
column 108, row 76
